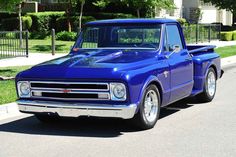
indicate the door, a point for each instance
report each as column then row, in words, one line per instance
column 180, row 62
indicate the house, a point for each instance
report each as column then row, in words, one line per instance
column 189, row 9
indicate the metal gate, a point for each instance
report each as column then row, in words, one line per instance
column 199, row 33
column 13, row 44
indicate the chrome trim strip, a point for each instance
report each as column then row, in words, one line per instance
column 52, row 82
column 72, row 92
column 77, row 109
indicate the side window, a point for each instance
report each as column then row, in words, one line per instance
column 172, row 38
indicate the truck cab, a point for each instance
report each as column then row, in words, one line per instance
column 126, row 68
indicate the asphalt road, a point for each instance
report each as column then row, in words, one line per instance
column 186, row 129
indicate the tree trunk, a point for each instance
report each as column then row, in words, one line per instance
column 68, row 20
column 81, row 14
column 68, row 12
column 20, row 24
column 138, row 13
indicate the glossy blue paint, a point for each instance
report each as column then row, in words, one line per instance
column 178, row 76
column 144, row 21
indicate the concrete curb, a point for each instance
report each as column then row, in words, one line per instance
column 11, row 109
column 228, row 61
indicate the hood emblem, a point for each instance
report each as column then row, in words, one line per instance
column 66, row 91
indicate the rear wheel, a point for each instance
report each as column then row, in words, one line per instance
column 209, row 87
column 149, row 110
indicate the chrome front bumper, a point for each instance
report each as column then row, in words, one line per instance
column 65, row 109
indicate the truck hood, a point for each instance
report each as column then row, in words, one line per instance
column 92, row 64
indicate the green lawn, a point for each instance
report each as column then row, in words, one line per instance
column 12, row 71
column 41, row 46
column 7, row 88
column 226, row 51
column 7, row 92
column 45, row 46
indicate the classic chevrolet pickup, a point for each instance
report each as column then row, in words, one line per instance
column 126, row 68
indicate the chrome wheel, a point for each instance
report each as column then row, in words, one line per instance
column 151, row 106
column 211, row 84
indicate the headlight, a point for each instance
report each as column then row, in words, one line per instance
column 23, row 89
column 118, row 91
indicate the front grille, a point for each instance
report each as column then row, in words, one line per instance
column 70, row 90
column 70, row 85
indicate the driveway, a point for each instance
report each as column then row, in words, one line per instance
column 186, row 129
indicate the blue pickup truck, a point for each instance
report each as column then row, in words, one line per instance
column 124, row 68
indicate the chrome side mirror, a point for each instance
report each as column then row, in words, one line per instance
column 176, row 49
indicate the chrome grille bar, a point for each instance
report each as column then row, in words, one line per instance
column 70, row 90
column 82, row 86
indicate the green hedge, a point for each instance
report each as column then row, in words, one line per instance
column 43, row 22
column 226, row 36
column 101, row 16
column 66, row 36
column 61, row 23
column 234, row 35
column 5, row 15
column 11, row 24
column 182, row 21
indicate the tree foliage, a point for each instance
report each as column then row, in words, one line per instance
column 139, row 4
column 150, row 4
column 9, row 5
column 229, row 5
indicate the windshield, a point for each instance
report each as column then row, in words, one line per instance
column 93, row 37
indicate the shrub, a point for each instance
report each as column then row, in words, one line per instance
column 226, row 36
column 38, row 35
column 4, row 15
column 101, row 16
column 66, row 36
column 182, row 21
column 43, row 22
column 10, row 35
column 12, row 23
column 234, row 35
column 62, row 23
column 26, row 22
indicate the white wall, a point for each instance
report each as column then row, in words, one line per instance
column 209, row 15
column 212, row 14
column 177, row 13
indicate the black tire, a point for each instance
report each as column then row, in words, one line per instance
column 206, row 95
column 140, row 119
column 44, row 118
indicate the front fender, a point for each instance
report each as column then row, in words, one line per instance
column 151, row 79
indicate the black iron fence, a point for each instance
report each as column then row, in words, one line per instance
column 201, row 33
column 13, row 44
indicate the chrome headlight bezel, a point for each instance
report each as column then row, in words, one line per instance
column 23, row 88
column 114, row 87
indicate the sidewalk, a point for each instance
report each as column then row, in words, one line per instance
column 9, row 110
column 218, row 43
column 227, row 61
column 33, row 59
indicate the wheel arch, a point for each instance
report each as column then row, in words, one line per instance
column 151, row 80
column 214, row 68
